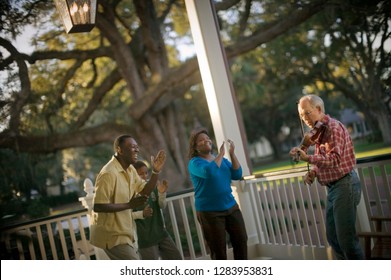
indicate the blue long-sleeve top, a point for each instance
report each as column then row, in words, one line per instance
column 212, row 184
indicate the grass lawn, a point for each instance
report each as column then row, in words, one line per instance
column 362, row 150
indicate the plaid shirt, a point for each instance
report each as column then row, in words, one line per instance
column 334, row 152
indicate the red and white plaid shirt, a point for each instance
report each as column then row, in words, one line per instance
column 334, row 153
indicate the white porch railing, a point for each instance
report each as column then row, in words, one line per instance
column 289, row 216
column 54, row 238
column 285, row 219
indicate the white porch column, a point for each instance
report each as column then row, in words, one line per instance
column 223, row 108
column 216, row 79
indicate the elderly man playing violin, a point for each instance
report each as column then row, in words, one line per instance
column 333, row 165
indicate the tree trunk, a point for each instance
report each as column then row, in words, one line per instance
column 166, row 134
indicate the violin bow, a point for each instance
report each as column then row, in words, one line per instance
column 302, row 134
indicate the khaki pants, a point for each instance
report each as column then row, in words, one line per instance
column 123, row 252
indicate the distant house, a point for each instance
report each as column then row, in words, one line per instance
column 355, row 122
column 260, row 149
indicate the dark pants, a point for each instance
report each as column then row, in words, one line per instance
column 343, row 198
column 216, row 224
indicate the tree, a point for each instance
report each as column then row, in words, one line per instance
column 355, row 60
column 346, row 70
column 268, row 93
column 123, row 77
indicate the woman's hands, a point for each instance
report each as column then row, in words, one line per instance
column 231, row 146
column 231, row 150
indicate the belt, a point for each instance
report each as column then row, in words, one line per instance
column 336, row 181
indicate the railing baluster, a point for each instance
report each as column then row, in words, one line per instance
column 30, row 241
column 299, row 208
column 311, row 214
column 284, row 230
column 270, row 231
column 174, row 225
column 295, row 218
column 306, row 231
column 288, row 227
column 258, row 214
column 185, row 221
column 83, row 242
column 51, row 241
column 64, row 247
column 73, row 239
column 198, row 228
column 276, row 207
column 40, row 242
column 20, row 249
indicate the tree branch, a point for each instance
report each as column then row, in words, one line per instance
column 51, row 143
column 140, row 107
column 97, row 97
column 22, row 96
column 273, row 30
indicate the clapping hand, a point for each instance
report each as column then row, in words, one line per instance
column 162, row 186
column 231, row 146
column 137, row 201
column 147, row 212
column 158, row 161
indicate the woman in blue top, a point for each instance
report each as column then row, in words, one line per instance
column 217, row 210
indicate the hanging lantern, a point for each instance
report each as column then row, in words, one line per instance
column 77, row 15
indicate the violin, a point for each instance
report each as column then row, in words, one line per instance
column 310, row 138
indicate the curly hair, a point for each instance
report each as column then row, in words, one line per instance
column 192, row 141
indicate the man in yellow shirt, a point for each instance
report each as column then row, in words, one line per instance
column 119, row 189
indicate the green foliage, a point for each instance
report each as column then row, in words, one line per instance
column 36, row 209
column 58, row 200
column 17, row 175
column 23, row 173
column 11, row 210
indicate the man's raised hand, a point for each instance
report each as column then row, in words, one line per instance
column 158, row 161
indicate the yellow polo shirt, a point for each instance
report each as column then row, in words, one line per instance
column 114, row 185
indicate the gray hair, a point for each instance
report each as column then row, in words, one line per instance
column 314, row 100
